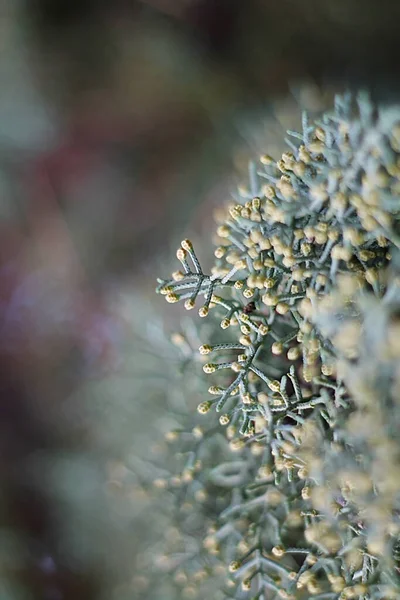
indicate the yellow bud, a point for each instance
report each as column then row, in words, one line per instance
column 209, row 368
column 234, row 566
column 245, row 340
column 171, row 298
column 263, row 329
column 189, row 304
column 246, row 585
column 178, row 276
column 304, row 154
column 274, row 385
column 267, row 160
column 299, row 169
column 289, row 261
column 282, row 308
column 187, row 245
column 167, row 289
column 294, row 353
column 203, row 311
column 278, row 551
column 219, row 252
column 269, row 282
column 246, row 398
column 205, row 349
column 223, row 231
column 270, row 299
column 320, row 134
column 224, row 419
column 277, row 348
column 371, row 276
column 204, row 407
column 316, row 147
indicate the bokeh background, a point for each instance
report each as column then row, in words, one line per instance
column 123, row 126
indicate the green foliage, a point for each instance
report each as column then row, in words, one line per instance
column 300, row 497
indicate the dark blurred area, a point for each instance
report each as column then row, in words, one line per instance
column 119, row 126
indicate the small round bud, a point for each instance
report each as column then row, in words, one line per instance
column 289, row 261
column 277, row 348
column 322, row 279
column 269, row 282
column 327, row 369
column 219, row 252
column 210, row 368
column 282, row 308
column 333, row 235
column 236, row 445
column 251, row 280
column 305, row 248
column 234, row 566
column 178, row 276
column 245, row 340
column 166, row 289
column 298, row 274
column 203, row 311
column 274, row 385
column 215, row 390
column 225, row 323
column 278, row 551
column 171, row 436
column 181, row 254
column 294, row 353
column 223, row 231
column 246, row 398
column 172, row 298
column 189, row 304
column 204, row 407
column 270, row 299
column 187, row 245
column 205, row 349
column 197, row 431
column 302, row 473
column 320, row 134
column 246, row 585
column 267, row 160
column 224, row 419
column 304, row 154
column 316, row 147
column 371, row 276
column 299, row 169
column 263, row 329
column 235, row 212
column 248, row 293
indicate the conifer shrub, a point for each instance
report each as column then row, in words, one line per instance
column 290, row 487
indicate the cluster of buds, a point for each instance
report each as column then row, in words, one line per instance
column 284, row 372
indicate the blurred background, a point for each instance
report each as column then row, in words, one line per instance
column 123, row 126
